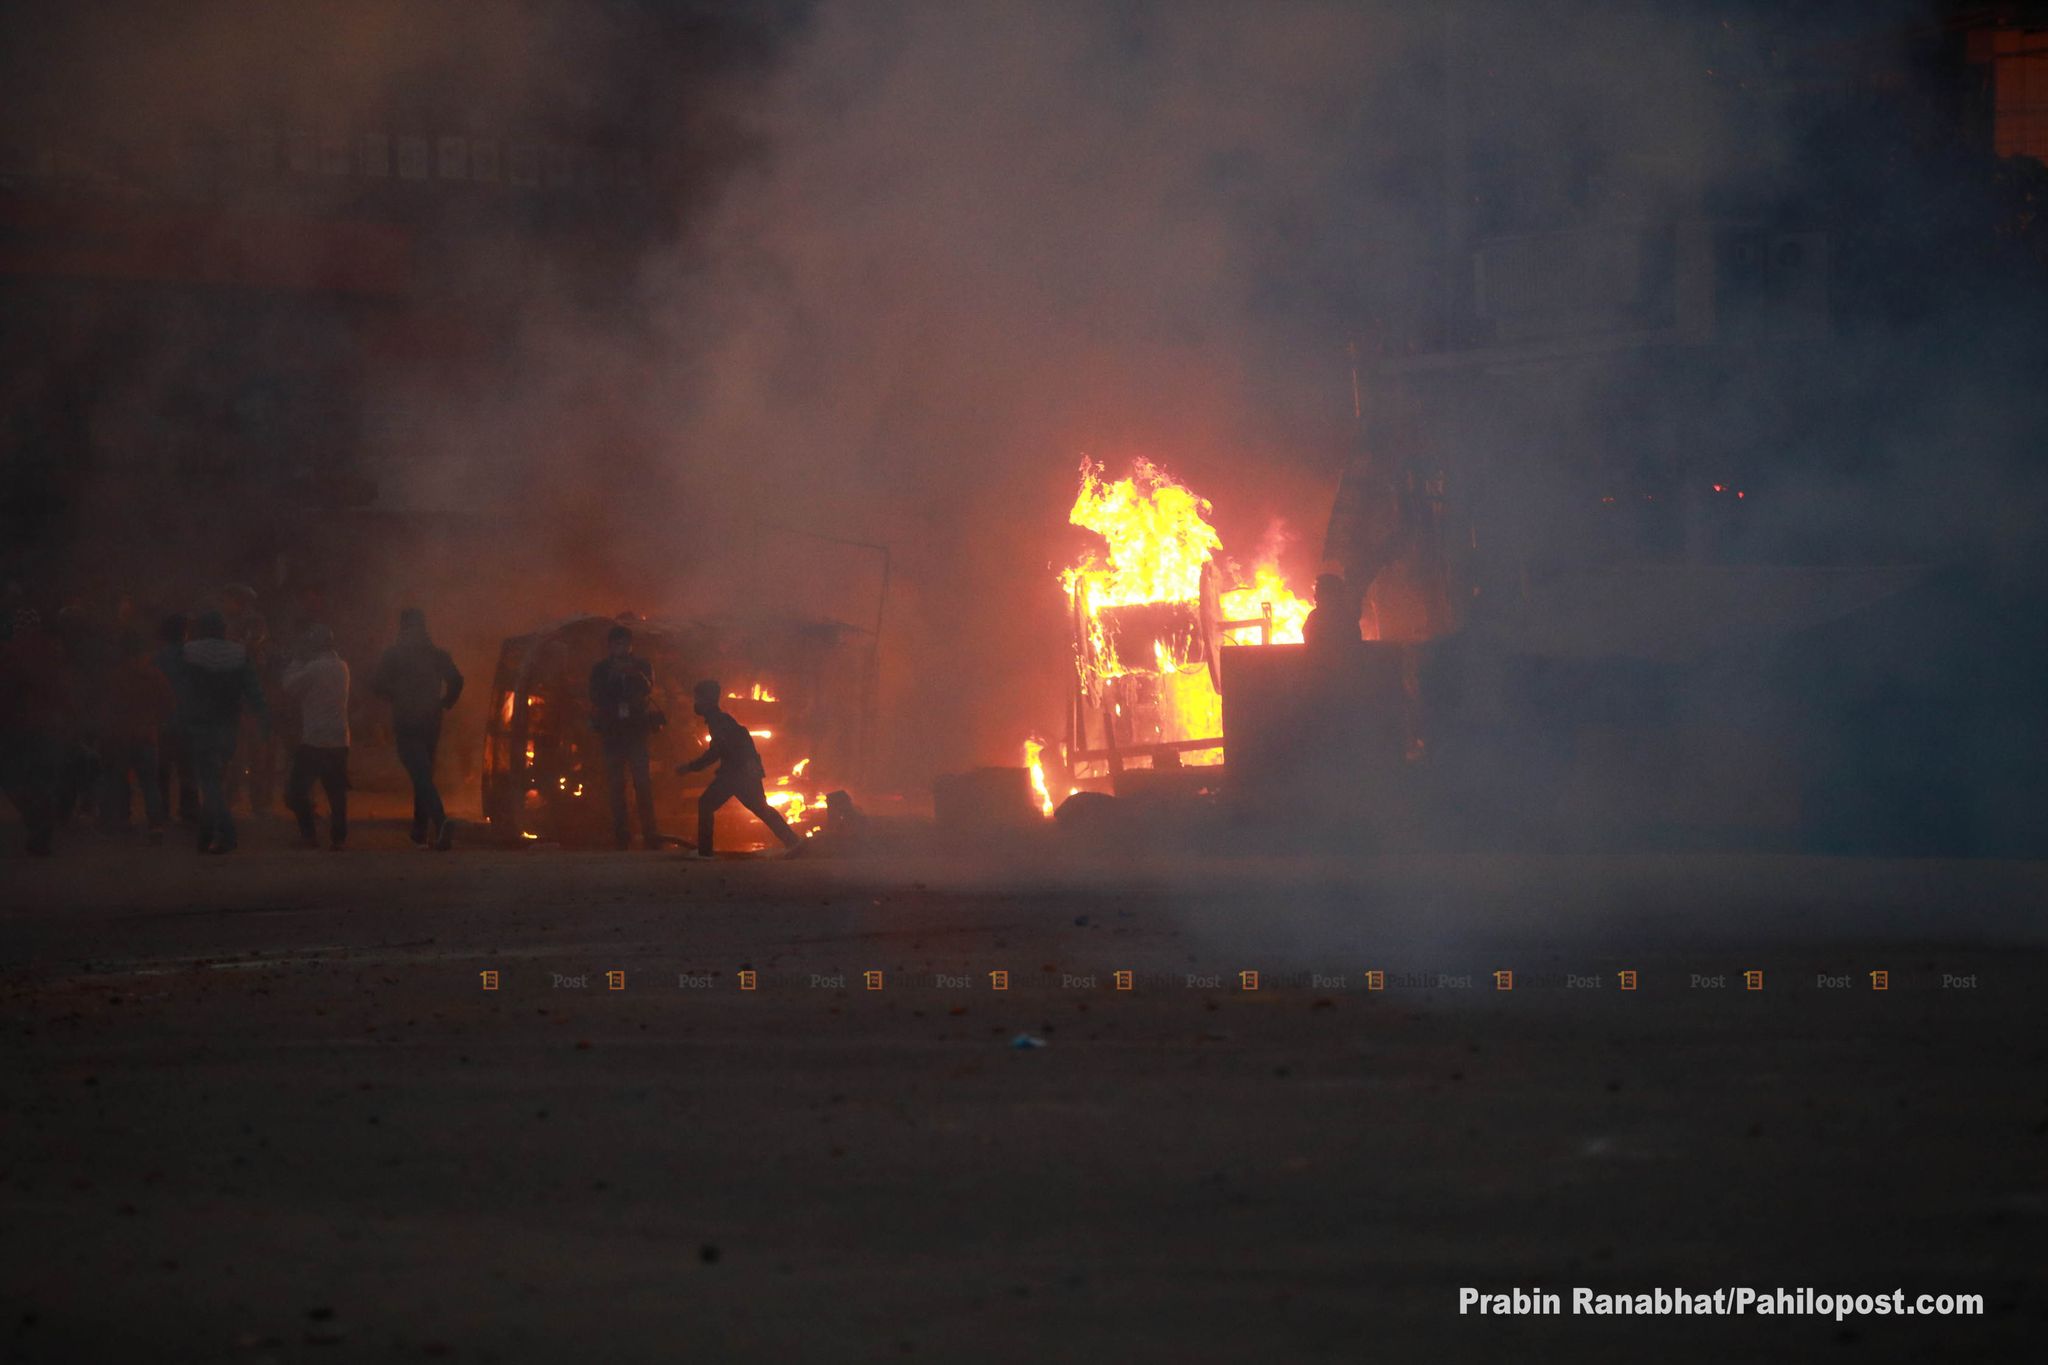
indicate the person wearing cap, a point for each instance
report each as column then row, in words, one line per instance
column 318, row 681
column 622, row 712
column 421, row 682
column 739, row 776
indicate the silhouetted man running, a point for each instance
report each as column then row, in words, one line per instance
column 739, row 772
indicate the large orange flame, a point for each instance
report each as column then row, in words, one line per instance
column 1157, row 540
column 1157, row 533
column 1034, row 763
column 1268, row 590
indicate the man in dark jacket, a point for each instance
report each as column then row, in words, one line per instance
column 420, row 681
column 739, row 772
column 218, row 684
column 623, row 714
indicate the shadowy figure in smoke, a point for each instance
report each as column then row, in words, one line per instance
column 1333, row 625
column 739, row 773
column 420, row 681
column 622, row 713
column 317, row 679
column 220, row 687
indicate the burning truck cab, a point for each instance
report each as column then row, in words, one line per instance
column 1154, row 612
column 790, row 684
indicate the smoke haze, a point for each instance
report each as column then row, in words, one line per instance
column 925, row 256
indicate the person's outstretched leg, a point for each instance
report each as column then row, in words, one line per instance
column 756, row 800
column 715, row 795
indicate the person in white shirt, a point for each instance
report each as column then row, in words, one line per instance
column 318, row 681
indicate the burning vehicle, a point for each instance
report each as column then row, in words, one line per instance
column 800, row 688
column 1153, row 613
column 1841, row 708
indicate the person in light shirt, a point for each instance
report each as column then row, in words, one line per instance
column 318, row 681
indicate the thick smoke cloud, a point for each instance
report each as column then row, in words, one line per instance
column 989, row 239
column 927, row 255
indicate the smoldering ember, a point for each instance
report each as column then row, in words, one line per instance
column 1023, row 679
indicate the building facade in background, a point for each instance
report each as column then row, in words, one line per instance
column 1683, row 336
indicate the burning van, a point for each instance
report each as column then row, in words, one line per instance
column 796, row 686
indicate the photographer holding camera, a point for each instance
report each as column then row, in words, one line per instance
column 623, row 714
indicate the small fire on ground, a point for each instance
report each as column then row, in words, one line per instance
column 793, row 804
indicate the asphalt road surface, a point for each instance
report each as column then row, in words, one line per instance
column 263, row 1107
